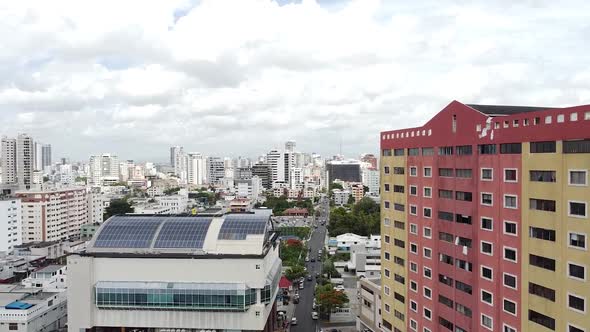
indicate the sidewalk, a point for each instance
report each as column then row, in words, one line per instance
column 289, row 309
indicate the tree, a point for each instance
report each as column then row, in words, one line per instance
column 118, row 206
column 171, row 191
column 350, row 200
column 328, row 298
column 334, row 185
column 295, row 272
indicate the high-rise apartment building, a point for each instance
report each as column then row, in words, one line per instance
column 344, row 170
column 197, row 168
column 9, row 160
column 104, row 168
column 38, row 163
column 25, row 161
column 276, row 161
column 485, row 221
column 215, row 170
column 178, row 161
column 46, row 155
column 10, row 224
column 264, row 172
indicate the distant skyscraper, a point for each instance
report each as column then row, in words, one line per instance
column 46, row 155
column 276, row 161
column 178, row 161
column 290, row 146
column 9, row 161
column 104, row 167
column 197, row 168
column 349, row 171
column 215, row 169
column 38, row 163
column 25, row 159
column 264, row 172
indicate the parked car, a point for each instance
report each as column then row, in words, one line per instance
column 301, row 286
column 314, row 315
column 293, row 321
column 339, row 288
column 306, row 259
column 309, row 277
column 313, row 259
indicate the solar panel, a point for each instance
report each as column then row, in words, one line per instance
column 128, row 232
column 237, row 227
column 183, row 233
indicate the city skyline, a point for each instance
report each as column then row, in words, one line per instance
column 199, row 75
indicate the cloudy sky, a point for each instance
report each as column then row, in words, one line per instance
column 238, row 77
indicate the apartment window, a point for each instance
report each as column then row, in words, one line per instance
column 487, row 174
column 413, row 325
column 386, row 204
column 542, row 262
column 413, row 267
column 446, row 301
column 445, row 323
column 486, row 248
column 386, row 222
column 510, row 201
column 387, row 239
column 387, row 307
column 464, row 242
column 399, row 243
column 398, row 152
column 398, row 170
column 577, row 178
column 399, row 207
column 510, row 175
column 427, row 192
column 414, row 229
column 386, row 187
column 427, row 272
column 510, row 254
column 427, row 172
column 387, row 325
column 542, row 176
column 542, row 204
column 487, row 297
column 413, row 306
column 386, row 152
column 413, row 210
column 487, row 273
column 587, row 116
column 463, row 287
column 444, row 258
column 464, row 150
column 427, row 232
column 443, row 193
column 487, row 223
column 399, row 297
column 427, row 212
column 445, row 151
column 543, row 147
column 387, row 273
column 445, row 172
column 486, row 199
column 511, row 148
column 542, row 320
column 387, row 255
column 413, row 190
column 427, row 293
column 462, row 219
column 576, row 240
column 445, row 280
column 446, row 237
column 576, row 271
column 427, row 151
column 445, row 216
column 487, row 148
column 398, row 260
column 510, row 281
column 399, row 279
column 396, row 188
column 427, row 313
column 12, row 326
column 509, row 306
column 413, row 152
column 465, row 173
column 577, row 303
column 386, row 290
column 399, row 224
column 510, row 228
column 462, row 310
column 427, row 252
column 465, row 265
column 386, row 169
column 580, row 146
column 487, row 322
column 572, row 328
column 413, row 171
column 463, row 196
column 413, row 286
column 577, row 209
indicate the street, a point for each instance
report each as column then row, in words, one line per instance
column 304, row 309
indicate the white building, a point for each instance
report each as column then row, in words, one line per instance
column 53, row 215
column 340, row 196
column 345, row 241
column 95, row 206
column 370, row 177
column 104, row 169
column 191, row 262
column 176, row 203
column 25, row 161
column 276, row 160
column 215, row 170
column 10, row 224
column 46, row 156
column 295, row 177
column 178, row 163
column 251, row 188
column 364, row 261
column 48, row 277
column 8, row 160
column 369, row 318
column 197, row 169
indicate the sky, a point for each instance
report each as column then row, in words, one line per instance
column 239, row 77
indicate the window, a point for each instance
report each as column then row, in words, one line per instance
column 444, row 258
column 572, row 328
column 427, row 272
column 386, row 187
column 414, row 229
column 12, row 326
column 386, row 169
column 427, row 293
column 413, row 190
column 427, row 151
column 462, row 310
column 399, row 224
column 398, row 152
column 399, row 297
column 387, row 256
column 510, row 175
column 396, row 188
column 398, row 170
column 387, row 273
column 443, row 193
column 487, row 297
column 510, row 254
column 463, row 173
column 427, row 212
column 413, row 210
column 413, row 171
column 510, row 201
column 577, row 178
column 487, row 223
column 427, row 313
column 542, row 320
column 427, row 232
column 386, row 152
column 413, row 306
column 464, row 150
column 577, row 209
column 413, row 286
column 486, row 199
column 463, row 287
column 463, row 196
column 427, row 192
column 511, row 148
column 413, row 248
column 387, row 239
column 413, row 325
column 445, row 151
column 577, row 303
column 543, row 147
column 509, row 307
column 487, row 273
column 510, row 228
column 576, row 271
column 487, row 322
column 445, row 216
column 486, row 248
column 446, row 301
column 413, row 267
column 587, row 116
column 542, row 176
column 446, row 237
column 413, row 152
column 464, row 242
column 542, row 262
column 510, row 281
column 542, row 204
column 465, row 265
column 386, row 290
column 487, row 174
column 445, row 323
column 427, row 252
column 386, row 222
column 398, row 260
column 386, row 204
column 399, row 243
column 399, row 207
column 445, row 280
column 576, row 240
column 387, row 308
column 487, row 148
column 445, row 172
column 427, row 172
column 461, row 219
column 580, row 146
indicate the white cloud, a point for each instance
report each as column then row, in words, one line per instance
column 239, row 77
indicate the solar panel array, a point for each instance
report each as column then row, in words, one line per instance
column 128, row 232
column 237, row 227
column 183, row 233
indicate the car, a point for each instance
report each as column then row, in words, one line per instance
column 320, row 251
column 306, row 259
column 309, row 278
column 301, row 286
column 314, row 315
column 294, row 321
column 313, row 260
column 339, row 288
column 317, row 274
column 296, row 300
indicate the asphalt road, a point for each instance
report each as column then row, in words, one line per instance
column 304, row 309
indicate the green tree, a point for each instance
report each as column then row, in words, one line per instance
column 350, row 200
column 295, row 272
column 171, row 191
column 118, row 206
column 328, row 298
